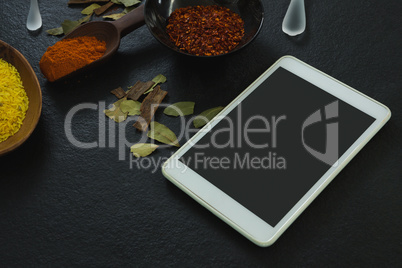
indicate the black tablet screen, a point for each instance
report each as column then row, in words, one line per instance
column 270, row 150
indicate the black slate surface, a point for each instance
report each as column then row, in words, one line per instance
column 61, row 205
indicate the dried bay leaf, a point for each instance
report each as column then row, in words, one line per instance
column 79, row 2
column 206, row 116
column 69, row 25
column 55, row 31
column 114, row 16
column 115, row 113
column 126, row 3
column 89, row 9
column 143, row 149
column 128, row 9
column 117, row 16
column 131, row 107
column 180, row 108
column 162, row 134
column 159, row 79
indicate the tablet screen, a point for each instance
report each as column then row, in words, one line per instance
column 276, row 144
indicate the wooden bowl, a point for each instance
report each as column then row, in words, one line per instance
column 34, row 93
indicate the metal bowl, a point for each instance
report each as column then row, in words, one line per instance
column 157, row 12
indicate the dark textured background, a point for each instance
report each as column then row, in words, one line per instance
column 65, row 206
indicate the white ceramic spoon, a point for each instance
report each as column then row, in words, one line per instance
column 294, row 22
column 34, row 21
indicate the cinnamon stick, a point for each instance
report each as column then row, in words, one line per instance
column 103, row 8
column 149, row 107
column 138, row 89
column 118, row 92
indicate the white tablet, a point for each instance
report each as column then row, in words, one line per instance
column 265, row 157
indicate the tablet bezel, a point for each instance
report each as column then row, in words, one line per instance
column 235, row 214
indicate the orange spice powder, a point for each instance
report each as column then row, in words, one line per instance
column 69, row 55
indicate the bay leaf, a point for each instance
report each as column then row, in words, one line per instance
column 128, row 9
column 69, row 25
column 115, row 113
column 180, row 108
column 84, row 19
column 72, row 2
column 126, row 3
column 55, row 31
column 89, row 9
column 115, row 16
column 131, row 107
column 143, row 149
column 162, row 134
column 159, row 79
column 206, row 116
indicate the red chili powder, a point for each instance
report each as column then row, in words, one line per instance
column 205, row 30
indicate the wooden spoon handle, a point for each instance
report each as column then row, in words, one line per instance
column 131, row 21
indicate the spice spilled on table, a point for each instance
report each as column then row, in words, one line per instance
column 205, row 30
column 69, row 55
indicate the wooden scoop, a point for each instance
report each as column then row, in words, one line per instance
column 110, row 32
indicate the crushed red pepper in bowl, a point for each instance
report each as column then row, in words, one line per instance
column 205, row 30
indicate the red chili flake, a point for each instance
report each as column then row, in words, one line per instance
column 205, row 30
